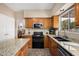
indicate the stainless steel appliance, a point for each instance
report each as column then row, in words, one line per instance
column 38, row 25
column 63, row 52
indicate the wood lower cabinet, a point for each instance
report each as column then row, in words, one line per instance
column 30, row 41
column 23, row 51
column 46, row 42
column 18, row 53
column 53, row 47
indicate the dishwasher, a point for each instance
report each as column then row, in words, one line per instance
column 63, row 52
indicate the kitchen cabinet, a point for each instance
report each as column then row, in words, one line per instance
column 53, row 47
column 47, row 23
column 55, row 21
column 18, row 53
column 77, row 14
column 46, row 42
column 23, row 51
column 30, row 21
column 30, row 41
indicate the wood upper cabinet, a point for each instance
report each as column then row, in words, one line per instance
column 55, row 21
column 77, row 13
column 47, row 23
column 30, row 21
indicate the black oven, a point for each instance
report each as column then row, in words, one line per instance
column 38, row 40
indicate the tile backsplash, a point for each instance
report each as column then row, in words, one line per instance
column 30, row 31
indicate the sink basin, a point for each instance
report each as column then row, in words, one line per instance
column 61, row 39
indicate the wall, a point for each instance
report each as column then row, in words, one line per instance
column 65, row 7
column 45, row 31
column 48, row 13
column 56, row 8
column 6, row 10
column 7, row 27
column 36, row 13
column 7, row 23
column 19, row 19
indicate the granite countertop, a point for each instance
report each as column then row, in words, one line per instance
column 70, row 46
column 9, row 47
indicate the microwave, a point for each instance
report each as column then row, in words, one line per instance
column 38, row 25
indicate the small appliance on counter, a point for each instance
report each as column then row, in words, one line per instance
column 52, row 31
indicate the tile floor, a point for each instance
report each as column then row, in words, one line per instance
column 39, row 52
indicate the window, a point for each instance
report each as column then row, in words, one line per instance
column 67, row 20
column 72, row 19
column 64, row 22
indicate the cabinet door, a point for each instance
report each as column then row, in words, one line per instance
column 49, row 44
column 18, row 53
column 77, row 14
column 46, row 42
column 47, row 23
column 55, row 21
column 27, row 50
column 30, row 42
column 54, row 49
column 28, row 23
column 24, row 50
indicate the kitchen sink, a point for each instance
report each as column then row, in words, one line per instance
column 61, row 39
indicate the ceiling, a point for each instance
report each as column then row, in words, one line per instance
column 33, row 6
column 70, row 14
column 36, row 9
